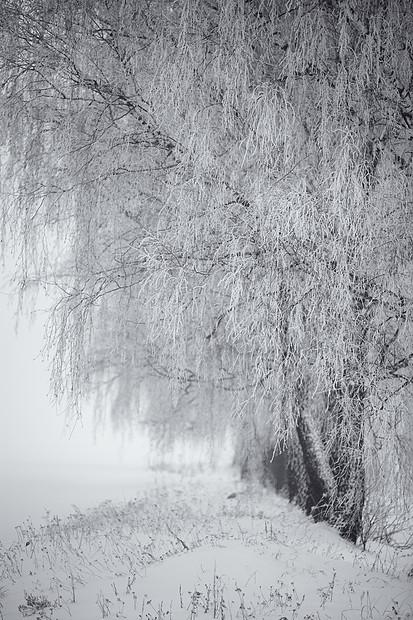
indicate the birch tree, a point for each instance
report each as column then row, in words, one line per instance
column 229, row 184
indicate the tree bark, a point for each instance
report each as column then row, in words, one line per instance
column 347, row 463
column 328, row 480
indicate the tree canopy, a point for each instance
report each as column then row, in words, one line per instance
column 220, row 193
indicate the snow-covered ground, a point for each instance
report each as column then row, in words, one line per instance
column 183, row 549
column 31, row 490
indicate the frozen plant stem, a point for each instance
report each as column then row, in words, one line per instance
column 72, row 583
column 326, row 594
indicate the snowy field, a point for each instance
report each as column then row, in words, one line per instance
column 187, row 548
column 30, row 491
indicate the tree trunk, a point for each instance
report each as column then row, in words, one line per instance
column 316, row 492
column 347, row 463
column 328, row 481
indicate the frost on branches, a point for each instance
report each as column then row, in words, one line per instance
column 218, row 193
